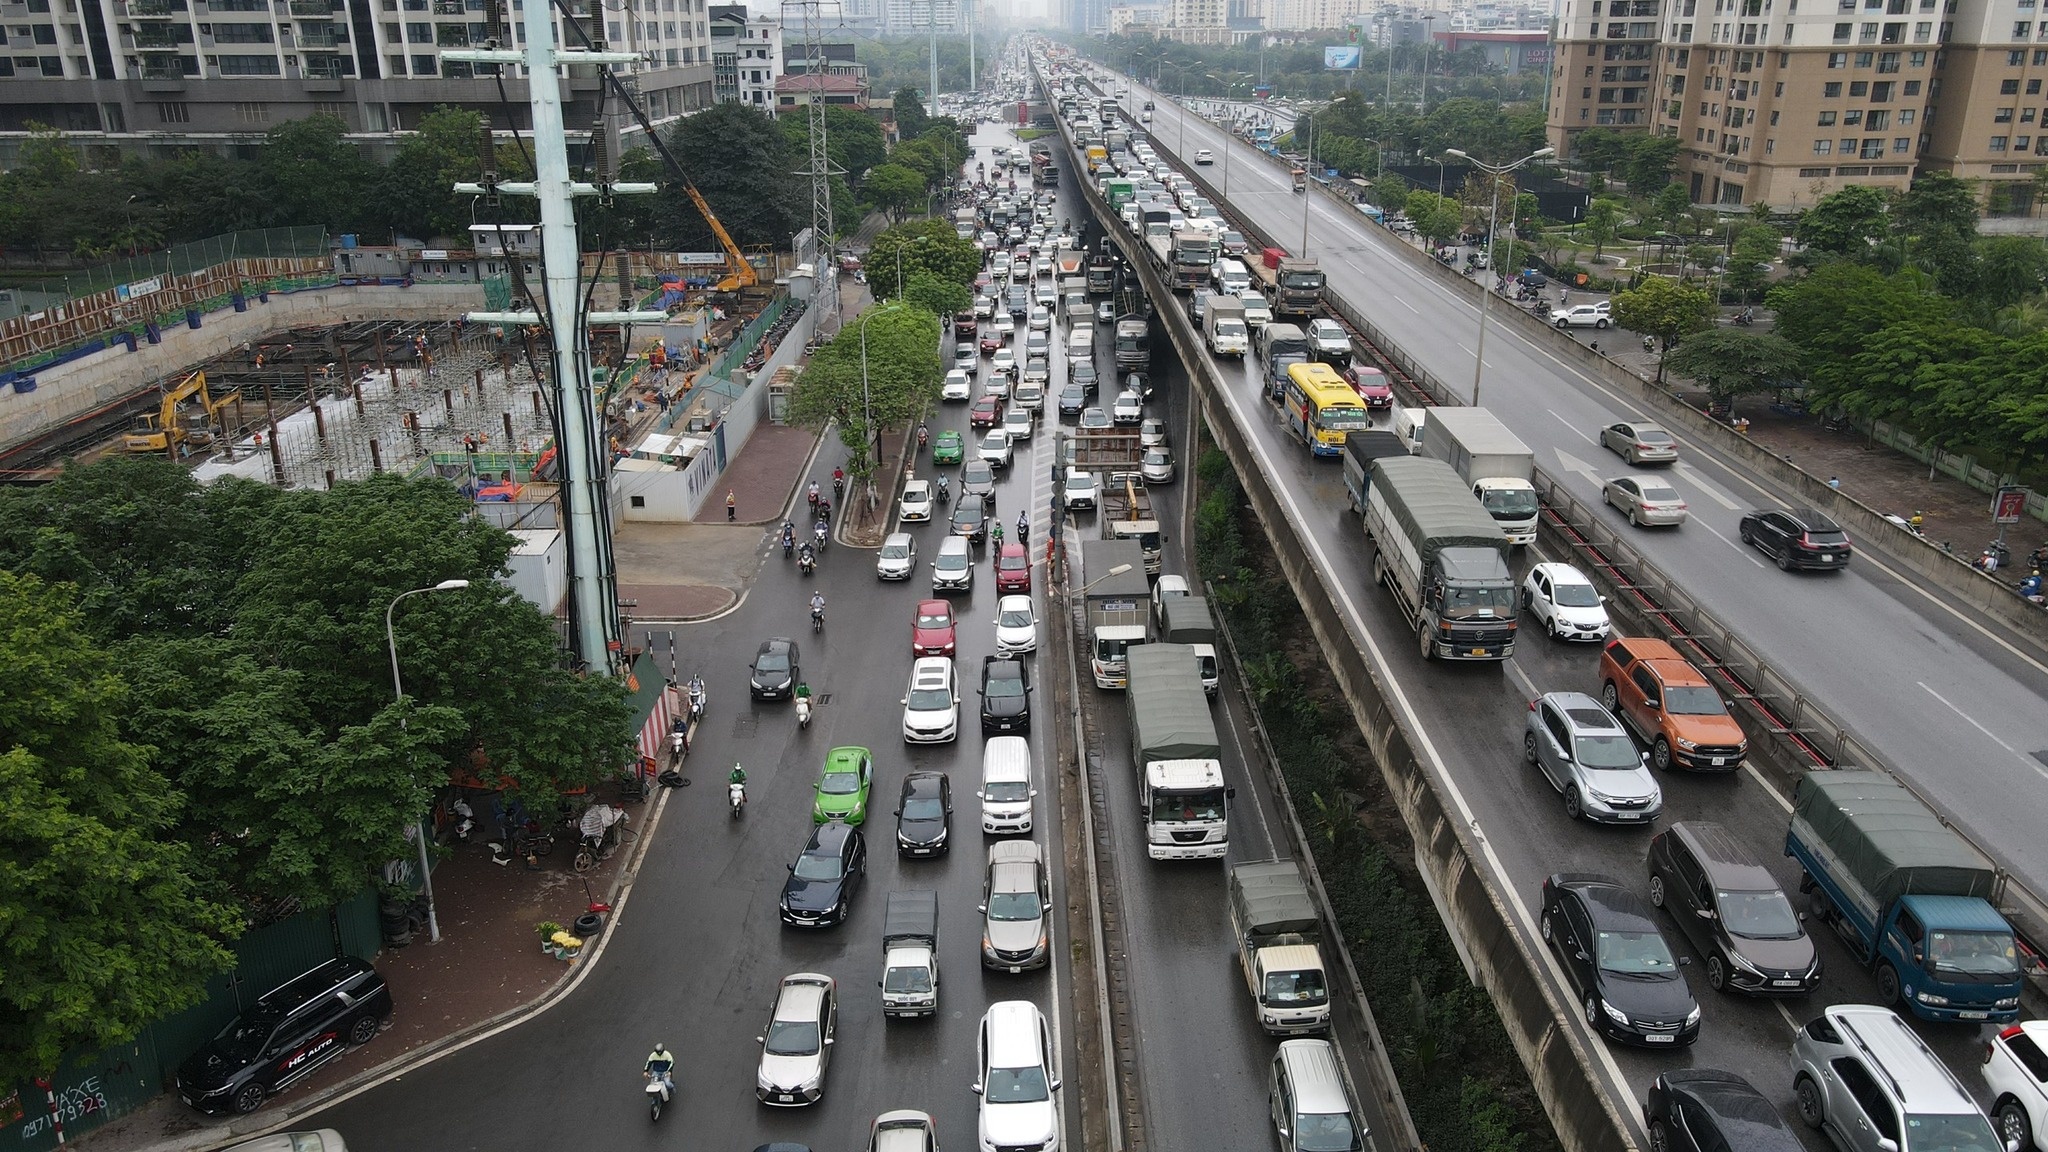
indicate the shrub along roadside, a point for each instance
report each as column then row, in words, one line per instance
column 1464, row 1085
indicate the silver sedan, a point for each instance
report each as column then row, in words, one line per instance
column 1645, row 500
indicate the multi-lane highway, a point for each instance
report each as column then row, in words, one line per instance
column 1469, row 719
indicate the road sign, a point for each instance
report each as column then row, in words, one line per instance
column 2008, row 505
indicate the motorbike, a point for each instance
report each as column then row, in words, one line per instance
column 736, row 798
column 803, row 708
column 806, row 561
column 788, row 541
column 1745, row 318
column 658, row 1089
column 817, row 620
column 821, row 535
column 945, row 492
column 699, row 697
column 678, row 741
column 839, row 488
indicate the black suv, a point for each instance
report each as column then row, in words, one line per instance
column 289, row 1031
column 1005, row 695
column 1796, row 537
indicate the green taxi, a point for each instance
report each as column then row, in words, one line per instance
column 843, row 786
column 947, row 448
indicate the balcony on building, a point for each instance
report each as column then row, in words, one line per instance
column 317, row 36
column 156, row 9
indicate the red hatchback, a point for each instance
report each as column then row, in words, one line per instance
column 986, row 412
column 931, row 633
column 1371, row 386
column 1013, row 570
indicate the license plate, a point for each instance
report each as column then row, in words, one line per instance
column 1476, row 652
column 1827, row 557
column 1785, row 983
column 1660, row 1039
column 1628, row 815
column 1973, row 1015
column 1014, row 970
column 1720, row 760
column 787, row 1097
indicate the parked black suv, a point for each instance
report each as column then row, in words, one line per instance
column 289, row 1031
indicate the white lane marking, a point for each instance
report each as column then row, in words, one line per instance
column 1575, row 429
column 1257, row 805
column 1712, row 490
column 1723, row 538
column 2022, row 757
column 1571, row 463
column 1405, row 304
column 1785, row 1014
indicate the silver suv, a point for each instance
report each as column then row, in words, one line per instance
column 1586, row 754
column 1861, row 1073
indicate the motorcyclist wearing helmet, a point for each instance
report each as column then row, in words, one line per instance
column 660, row 1066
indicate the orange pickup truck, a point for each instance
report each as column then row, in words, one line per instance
column 1670, row 706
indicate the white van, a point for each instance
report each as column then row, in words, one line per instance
column 1408, row 423
column 1231, row 277
column 1311, row 1106
column 1006, row 789
column 1081, row 344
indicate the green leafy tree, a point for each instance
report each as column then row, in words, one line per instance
column 884, row 365
column 1732, row 362
column 928, row 246
column 1941, row 380
column 1833, row 311
column 105, row 925
column 1649, row 164
column 1670, row 203
column 893, row 188
column 741, row 162
column 1665, row 308
column 417, row 196
column 1750, row 259
column 1603, row 223
column 910, row 114
column 1600, row 149
column 2010, row 269
column 1845, row 224
column 313, row 174
column 853, row 139
column 939, row 297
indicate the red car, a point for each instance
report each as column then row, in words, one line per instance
column 931, row 633
column 982, row 282
column 1013, row 570
column 986, row 412
column 1371, row 386
column 991, row 342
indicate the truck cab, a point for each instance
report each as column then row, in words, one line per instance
column 910, row 960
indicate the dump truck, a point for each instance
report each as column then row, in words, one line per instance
column 1493, row 460
column 1117, row 616
column 1187, row 620
column 1104, row 450
column 910, row 954
column 1194, row 254
column 1068, row 264
column 1127, row 515
column 1274, row 921
column 1443, row 558
column 1177, row 756
column 1360, row 450
column 1101, row 274
column 1293, row 284
column 1133, row 344
column 1910, row 897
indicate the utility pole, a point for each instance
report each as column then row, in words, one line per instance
column 932, row 11
column 967, row 10
column 593, row 589
column 818, row 165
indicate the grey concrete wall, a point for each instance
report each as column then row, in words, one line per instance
column 89, row 382
column 1473, row 909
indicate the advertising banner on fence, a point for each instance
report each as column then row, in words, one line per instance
column 1343, row 58
column 139, row 288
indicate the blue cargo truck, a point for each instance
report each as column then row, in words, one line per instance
column 1911, row 898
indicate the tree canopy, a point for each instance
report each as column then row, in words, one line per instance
column 930, row 247
column 884, row 365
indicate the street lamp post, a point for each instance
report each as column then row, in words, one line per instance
column 872, row 442
column 398, row 693
column 1308, row 195
column 1428, row 42
column 1116, row 571
column 1497, row 171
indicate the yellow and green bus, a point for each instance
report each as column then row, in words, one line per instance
column 1321, row 408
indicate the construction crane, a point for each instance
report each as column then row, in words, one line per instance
column 740, row 271
column 165, row 429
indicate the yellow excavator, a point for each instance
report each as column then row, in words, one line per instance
column 167, row 428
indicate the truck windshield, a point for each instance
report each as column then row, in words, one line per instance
column 1296, row 988
column 1302, row 280
column 1510, row 503
column 1954, row 1132
column 1765, row 915
column 1476, row 601
column 1693, row 700
column 907, row 980
column 1205, row 804
column 1973, row 953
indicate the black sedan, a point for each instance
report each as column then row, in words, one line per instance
column 1073, row 398
column 924, row 816
column 1706, row 1110
column 1619, row 966
column 1005, row 695
column 970, row 519
column 775, row 670
column 821, row 884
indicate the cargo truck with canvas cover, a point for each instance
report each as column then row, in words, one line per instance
column 1443, row 558
column 1118, row 616
column 1910, row 897
column 910, row 954
column 1178, row 758
column 1279, row 935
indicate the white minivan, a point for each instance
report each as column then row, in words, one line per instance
column 1006, row 789
column 1081, row 344
column 1231, row 277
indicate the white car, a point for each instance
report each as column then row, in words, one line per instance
column 917, row 501
column 957, row 386
column 953, row 569
column 797, row 1045
column 1005, row 325
column 966, row 358
column 1017, row 1080
column 1041, row 319
column 1129, row 408
column 1029, row 395
column 1152, row 434
column 904, row 1130
column 898, row 558
column 931, row 708
column 1157, row 465
column 1329, row 338
column 1580, row 316
column 1016, row 626
column 1565, row 602
column 984, row 307
column 1204, row 156
column 994, row 449
column 1004, row 362
column 1080, row 491
column 1017, row 424
column 2016, row 1072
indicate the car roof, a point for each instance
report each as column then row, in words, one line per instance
column 1585, row 713
column 916, row 783
column 931, row 668
column 1898, row 1048
column 934, row 606
column 830, row 835
column 1013, row 601
column 1812, row 519
column 1612, row 907
column 1013, row 852
column 1562, row 573
column 777, row 642
column 846, row 758
column 1727, row 862
column 1744, row 1116
column 802, row 995
column 1012, row 549
column 1012, row 1027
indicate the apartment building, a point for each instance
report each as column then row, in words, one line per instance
column 746, row 54
column 160, row 77
column 1785, row 101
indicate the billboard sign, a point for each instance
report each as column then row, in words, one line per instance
column 1343, row 58
column 2008, row 505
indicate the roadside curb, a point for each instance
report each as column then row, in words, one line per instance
column 211, row 1139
